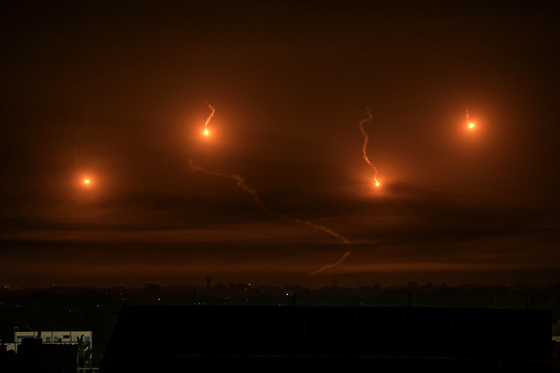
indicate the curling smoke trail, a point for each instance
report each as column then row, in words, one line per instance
column 243, row 186
column 346, row 254
column 238, row 179
column 208, row 120
column 364, row 147
column 469, row 124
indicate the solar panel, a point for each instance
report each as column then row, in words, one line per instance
column 331, row 339
column 232, row 331
column 480, row 325
column 182, row 333
column 260, row 364
column 525, row 335
column 377, row 332
column 426, row 332
column 475, row 365
column 280, row 331
column 328, row 331
column 322, row 364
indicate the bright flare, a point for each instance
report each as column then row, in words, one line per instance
column 86, row 181
column 376, row 183
column 206, row 132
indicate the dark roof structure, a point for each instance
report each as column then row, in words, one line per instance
column 328, row 339
column 34, row 356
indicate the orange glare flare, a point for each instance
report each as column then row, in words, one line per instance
column 376, row 183
column 206, row 132
column 471, row 125
column 86, row 181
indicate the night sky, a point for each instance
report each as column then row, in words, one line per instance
column 118, row 93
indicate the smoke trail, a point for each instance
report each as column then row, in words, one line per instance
column 469, row 123
column 319, row 227
column 243, row 186
column 364, row 147
column 346, row 254
column 208, row 120
column 240, row 184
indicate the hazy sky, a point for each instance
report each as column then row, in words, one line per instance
column 118, row 93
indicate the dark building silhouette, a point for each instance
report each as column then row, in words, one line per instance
column 328, row 339
column 33, row 356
